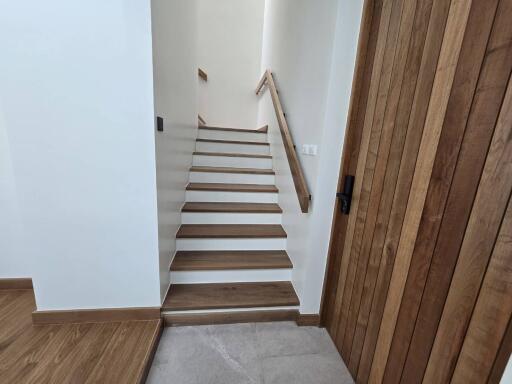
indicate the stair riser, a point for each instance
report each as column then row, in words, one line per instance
column 228, row 135
column 230, row 276
column 202, row 146
column 231, row 197
column 237, row 162
column 231, row 178
column 223, row 244
column 229, row 218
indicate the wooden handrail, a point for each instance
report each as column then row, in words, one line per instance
column 202, row 74
column 297, row 174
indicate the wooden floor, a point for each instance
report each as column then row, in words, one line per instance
column 70, row 353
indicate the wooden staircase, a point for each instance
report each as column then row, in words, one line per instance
column 231, row 263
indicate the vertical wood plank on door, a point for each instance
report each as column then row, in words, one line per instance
column 367, row 177
column 390, row 105
column 390, row 237
column 352, row 141
column 400, row 122
column 488, row 210
column 464, row 85
column 484, row 113
column 445, row 72
column 491, row 314
column 361, row 162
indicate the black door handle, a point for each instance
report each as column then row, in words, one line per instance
column 346, row 196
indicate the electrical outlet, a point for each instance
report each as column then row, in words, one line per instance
column 309, row 149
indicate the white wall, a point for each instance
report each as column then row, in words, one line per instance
column 76, row 98
column 13, row 263
column 229, row 50
column 310, row 48
column 175, row 85
column 507, row 375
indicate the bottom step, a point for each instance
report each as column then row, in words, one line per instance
column 231, row 317
column 183, row 297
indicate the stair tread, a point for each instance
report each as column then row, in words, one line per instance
column 230, row 295
column 232, row 142
column 232, row 187
column 222, row 260
column 194, row 231
column 262, row 130
column 256, row 171
column 231, row 207
column 224, row 154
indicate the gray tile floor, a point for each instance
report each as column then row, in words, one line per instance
column 259, row 353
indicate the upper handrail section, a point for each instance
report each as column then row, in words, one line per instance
column 297, row 173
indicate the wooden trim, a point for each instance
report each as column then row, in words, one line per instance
column 16, row 283
column 297, row 173
column 176, row 320
column 233, row 142
column 202, row 74
column 201, row 121
column 223, row 154
column 95, row 315
column 262, row 130
column 148, row 359
column 253, row 188
column 243, row 171
column 308, row 320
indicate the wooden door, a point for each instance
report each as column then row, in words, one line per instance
column 419, row 278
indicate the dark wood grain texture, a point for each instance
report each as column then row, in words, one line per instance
column 239, row 142
column 230, row 295
column 262, row 130
column 486, row 215
column 375, row 189
column 248, row 171
column 228, row 260
column 199, row 231
column 71, row 353
column 95, row 315
column 221, row 187
column 232, row 207
column 491, row 314
column 15, row 283
column 491, row 87
column 459, row 105
column 223, row 154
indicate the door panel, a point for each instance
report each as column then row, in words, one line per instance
column 439, row 71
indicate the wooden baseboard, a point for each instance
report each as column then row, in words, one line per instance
column 312, row 320
column 95, row 315
column 16, row 283
column 175, row 320
column 148, row 359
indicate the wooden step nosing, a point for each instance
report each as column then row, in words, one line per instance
column 230, row 260
column 231, row 170
column 227, row 129
column 232, row 267
column 225, row 154
column 234, row 190
column 203, row 296
column 235, row 142
column 215, row 207
column 228, row 236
